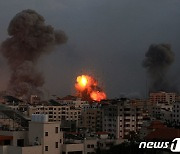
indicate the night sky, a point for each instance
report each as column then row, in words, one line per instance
column 107, row 39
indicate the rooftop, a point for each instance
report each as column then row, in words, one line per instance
column 164, row 134
column 156, row 125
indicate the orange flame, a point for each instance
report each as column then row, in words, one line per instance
column 89, row 85
column 98, row 96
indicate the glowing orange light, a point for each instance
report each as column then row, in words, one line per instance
column 89, row 85
column 82, row 80
column 98, row 96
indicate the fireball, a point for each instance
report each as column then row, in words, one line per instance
column 81, row 82
column 88, row 88
column 98, row 96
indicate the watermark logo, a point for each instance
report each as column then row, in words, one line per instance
column 174, row 146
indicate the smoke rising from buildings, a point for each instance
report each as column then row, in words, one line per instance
column 29, row 38
column 158, row 59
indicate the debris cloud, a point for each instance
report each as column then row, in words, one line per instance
column 158, row 59
column 29, row 38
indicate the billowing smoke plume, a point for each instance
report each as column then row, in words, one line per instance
column 157, row 62
column 29, row 38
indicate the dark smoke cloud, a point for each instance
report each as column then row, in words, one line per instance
column 157, row 62
column 29, row 38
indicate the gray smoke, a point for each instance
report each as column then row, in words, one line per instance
column 29, row 38
column 157, row 62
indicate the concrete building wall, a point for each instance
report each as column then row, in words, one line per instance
column 56, row 113
column 72, row 148
column 90, row 146
column 176, row 112
column 20, row 150
column 159, row 110
column 16, row 136
column 162, row 97
column 52, row 139
column 119, row 119
column 32, row 150
column 36, row 131
column 106, row 144
column 48, row 135
column 91, row 119
column 3, row 149
column 14, row 150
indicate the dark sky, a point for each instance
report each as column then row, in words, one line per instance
column 107, row 39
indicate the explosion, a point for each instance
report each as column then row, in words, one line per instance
column 158, row 59
column 88, row 88
column 97, row 95
column 29, row 38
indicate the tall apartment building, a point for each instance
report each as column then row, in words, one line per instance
column 161, row 111
column 162, row 97
column 176, row 113
column 161, row 104
column 56, row 113
column 67, row 109
column 91, row 118
column 122, row 117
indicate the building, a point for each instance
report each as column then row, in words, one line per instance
column 73, row 148
column 91, row 118
column 148, row 127
column 161, row 104
column 56, row 113
column 46, row 134
column 122, row 117
column 162, row 97
column 162, row 110
column 43, row 137
column 34, row 99
column 176, row 113
column 160, row 132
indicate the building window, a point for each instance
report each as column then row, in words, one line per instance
column 56, row 130
column 88, row 146
column 46, row 133
column 92, row 145
column 60, row 141
column 56, row 144
column 46, row 148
